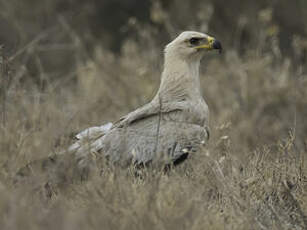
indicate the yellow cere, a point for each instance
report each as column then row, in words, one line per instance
column 209, row 45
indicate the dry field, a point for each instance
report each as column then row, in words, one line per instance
column 252, row 174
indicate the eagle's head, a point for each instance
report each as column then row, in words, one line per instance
column 191, row 45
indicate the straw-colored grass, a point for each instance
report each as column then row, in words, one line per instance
column 252, row 175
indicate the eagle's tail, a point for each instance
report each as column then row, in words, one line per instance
column 74, row 162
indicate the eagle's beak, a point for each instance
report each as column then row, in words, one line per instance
column 211, row 44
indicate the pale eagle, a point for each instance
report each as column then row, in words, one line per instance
column 168, row 128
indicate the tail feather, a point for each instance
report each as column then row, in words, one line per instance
column 76, row 161
column 94, row 132
column 89, row 141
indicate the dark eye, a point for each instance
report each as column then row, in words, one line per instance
column 194, row 41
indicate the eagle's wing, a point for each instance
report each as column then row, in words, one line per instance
column 94, row 135
column 153, row 108
column 156, row 138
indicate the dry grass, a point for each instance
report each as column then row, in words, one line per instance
column 252, row 175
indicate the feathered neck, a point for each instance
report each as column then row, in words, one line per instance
column 180, row 78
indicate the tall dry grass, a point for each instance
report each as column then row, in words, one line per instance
column 252, row 175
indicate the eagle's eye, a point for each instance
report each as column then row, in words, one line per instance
column 194, row 41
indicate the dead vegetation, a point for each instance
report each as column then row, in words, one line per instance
column 253, row 174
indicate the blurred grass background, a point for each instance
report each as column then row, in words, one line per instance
column 67, row 65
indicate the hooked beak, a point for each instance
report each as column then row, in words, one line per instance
column 211, row 44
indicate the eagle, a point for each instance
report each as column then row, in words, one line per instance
column 174, row 124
